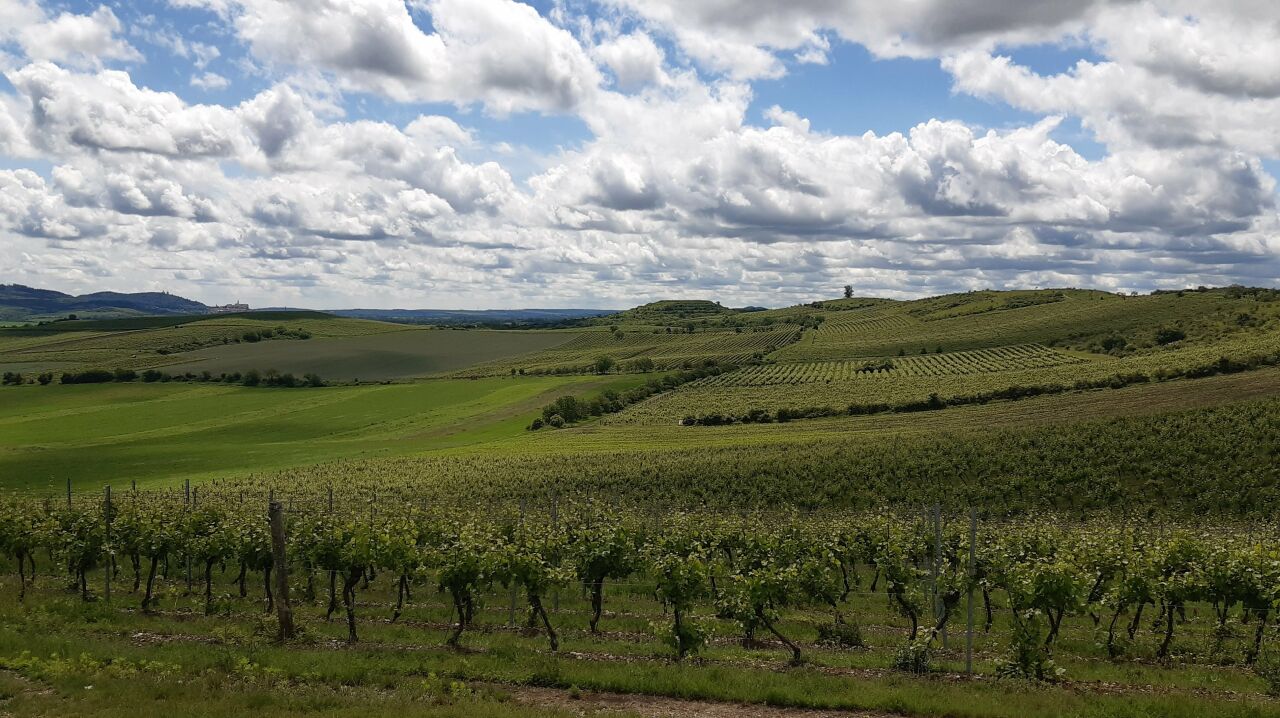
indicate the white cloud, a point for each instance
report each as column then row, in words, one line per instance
column 634, row 60
column 77, row 40
column 741, row 38
column 1126, row 105
column 106, row 111
column 497, row 52
column 677, row 190
column 210, row 81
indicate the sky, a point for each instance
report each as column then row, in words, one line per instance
column 574, row 153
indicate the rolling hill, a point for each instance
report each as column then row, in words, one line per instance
column 22, row 303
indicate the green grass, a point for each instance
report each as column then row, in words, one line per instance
column 64, row 657
column 164, row 432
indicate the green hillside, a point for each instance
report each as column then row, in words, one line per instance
column 802, row 480
column 299, row 342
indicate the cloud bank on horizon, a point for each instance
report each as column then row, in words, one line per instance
column 493, row 153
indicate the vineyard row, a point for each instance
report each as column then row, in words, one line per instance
column 748, row 569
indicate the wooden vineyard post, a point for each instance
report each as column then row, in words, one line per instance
column 555, row 526
column 284, row 611
column 106, row 518
column 938, row 605
column 973, row 572
column 68, row 492
column 186, row 491
column 511, row 611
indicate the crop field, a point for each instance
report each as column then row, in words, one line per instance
column 667, row 350
column 136, row 344
column 335, row 348
column 148, row 433
column 390, row 355
column 1094, row 478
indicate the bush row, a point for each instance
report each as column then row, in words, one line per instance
column 569, row 409
column 253, row 377
column 252, row 336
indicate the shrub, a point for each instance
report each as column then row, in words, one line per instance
column 1028, row 656
column 915, row 657
column 126, row 375
column 11, row 378
column 151, row 375
column 1169, row 335
column 45, row 379
column 843, row 635
column 89, row 376
column 1114, row 343
column 642, row 365
column 566, row 407
column 555, row 421
column 252, row 378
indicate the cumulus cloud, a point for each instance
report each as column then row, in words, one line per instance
column 106, row 111
column 298, row 191
column 742, row 37
column 634, row 59
column 78, row 40
column 209, row 81
column 500, row 53
column 1126, row 105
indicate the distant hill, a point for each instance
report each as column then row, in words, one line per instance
column 671, row 310
column 22, row 303
column 488, row 317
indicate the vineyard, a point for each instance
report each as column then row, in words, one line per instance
column 842, row 594
column 1218, row 461
column 1070, row 318
column 891, row 382
column 979, row 361
column 980, row 505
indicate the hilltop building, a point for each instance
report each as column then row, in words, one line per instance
column 229, row 308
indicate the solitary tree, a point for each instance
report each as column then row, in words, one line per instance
column 848, row 291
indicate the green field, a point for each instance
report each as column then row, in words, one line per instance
column 334, row 348
column 161, row 433
column 1120, row 454
column 393, row 355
